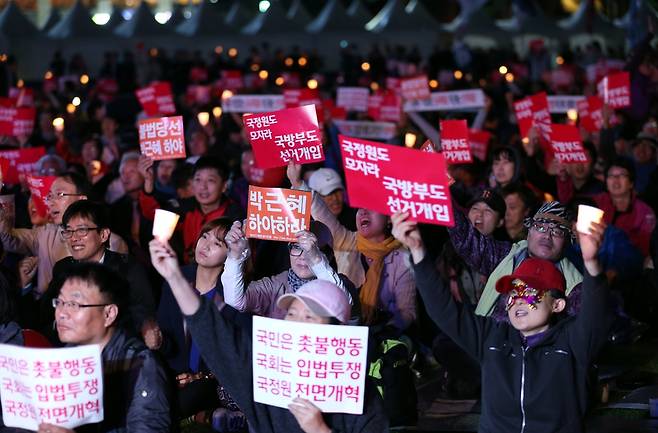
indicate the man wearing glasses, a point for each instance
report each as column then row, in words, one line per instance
column 549, row 232
column 90, row 309
column 45, row 242
column 85, row 229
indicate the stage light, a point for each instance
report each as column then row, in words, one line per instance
column 162, row 17
column 263, row 6
column 101, row 18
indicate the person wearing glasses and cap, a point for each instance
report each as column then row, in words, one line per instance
column 549, row 233
column 45, row 242
column 535, row 366
column 91, row 309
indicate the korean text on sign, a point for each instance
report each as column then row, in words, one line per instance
column 286, row 135
column 353, row 98
column 379, row 178
column 566, row 144
column 276, row 213
column 615, row 90
column 162, row 138
column 157, row 99
column 56, row 386
column 253, row 103
column 21, row 162
column 415, row 88
column 454, row 142
column 325, row 364
column 457, row 100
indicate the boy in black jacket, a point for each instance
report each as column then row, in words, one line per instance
column 535, row 368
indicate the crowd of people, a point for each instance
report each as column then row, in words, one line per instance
column 512, row 301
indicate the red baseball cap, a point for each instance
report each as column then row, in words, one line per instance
column 539, row 274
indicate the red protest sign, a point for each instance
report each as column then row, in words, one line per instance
column 157, row 99
column 615, row 90
column 299, row 97
column 567, row 145
column 523, row 111
column 162, row 138
column 39, row 188
column 353, row 98
column 454, row 142
column 428, row 146
column 394, row 84
column 16, row 121
column 589, row 113
column 415, row 88
column 107, row 89
column 479, row 141
column 541, row 116
column 21, row 161
column 379, row 178
column 232, row 80
column 285, row 135
column 385, row 106
column 198, row 94
column 277, row 213
column 23, row 96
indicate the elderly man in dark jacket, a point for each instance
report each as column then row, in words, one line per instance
column 89, row 310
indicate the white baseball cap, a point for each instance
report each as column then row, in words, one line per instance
column 325, row 181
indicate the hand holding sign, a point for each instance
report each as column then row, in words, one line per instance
column 308, row 415
column 236, row 241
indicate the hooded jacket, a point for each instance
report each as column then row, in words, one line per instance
column 539, row 387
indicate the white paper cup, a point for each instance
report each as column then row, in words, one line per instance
column 586, row 216
column 164, row 224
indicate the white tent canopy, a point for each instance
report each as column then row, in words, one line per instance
column 206, row 20
column 477, row 28
column 142, row 24
column 76, row 23
column 529, row 25
column 53, row 18
column 334, row 17
column 116, row 18
column 14, row 24
column 394, row 16
column 588, row 21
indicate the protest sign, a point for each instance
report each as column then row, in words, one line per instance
column 415, row 88
column 56, row 386
column 364, row 129
column 39, row 187
column 325, row 364
column 17, row 121
column 479, row 141
column 385, row 107
column 589, row 113
column 156, row 99
column 393, row 84
column 353, row 98
column 162, row 138
column 285, row 135
column 21, row 161
column 253, row 103
column 197, row 94
column 232, row 80
column 454, row 100
column 389, row 178
column 615, row 90
column 541, row 117
column 454, row 142
column 428, row 146
column 523, row 111
column 563, row 103
column 277, row 213
column 299, row 97
column 24, row 96
column 567, row 145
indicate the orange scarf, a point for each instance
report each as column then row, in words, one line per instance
column 376, row 251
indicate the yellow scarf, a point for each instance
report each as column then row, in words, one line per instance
column 375, row 251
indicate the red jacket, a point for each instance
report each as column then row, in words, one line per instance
column 637, row 222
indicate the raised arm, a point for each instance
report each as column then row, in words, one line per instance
column 233, row 274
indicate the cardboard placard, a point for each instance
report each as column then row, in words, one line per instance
column 454, row 100
column 353, row 98
column 615, row 90
column 379, row 178
column 454, row 142
column 277, row 213
column 567, row 145
column 21, row 161
column 285, row 135
column 57, row 386
column 415, row 88
column 162, row 138
column 157, row 99
column 253, row 103
column 325, row 364
column 364, row 129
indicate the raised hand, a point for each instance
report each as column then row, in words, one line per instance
column 308, row 416
column 236, row 241
column 164, row 259
column 309, row 244
column 294, row 173
column 145, row 168
column 406, row 231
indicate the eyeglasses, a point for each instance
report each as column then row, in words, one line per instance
column 294, row 249
column 81, row 232
column 60, row 195
column 618, row 175
column 552, row 229
column 74, row 306
column 521, row 290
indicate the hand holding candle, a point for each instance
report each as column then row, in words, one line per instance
column 164, row 224
column 586, row 216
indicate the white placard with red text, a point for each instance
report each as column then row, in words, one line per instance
column 277, row 213
column 285, row 135
column 56, row 386
column 162, row 138
column 364, row 129
column 253, row 103
column 615, row 90
column 325, row 364
column 415, row 88
column 567, row 145
column 455, row 100
column 389, row 179
column 563, row 103
column 454, row 142
column 353, row 98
